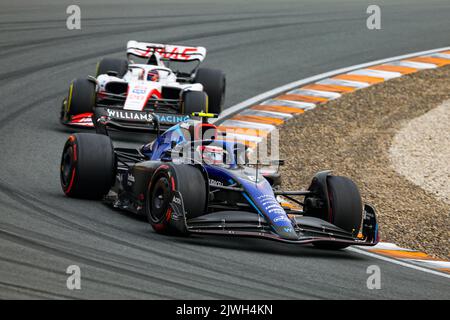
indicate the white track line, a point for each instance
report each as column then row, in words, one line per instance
column 431, row 263
column 398, row 262
column 271, row 93
column 390, row 246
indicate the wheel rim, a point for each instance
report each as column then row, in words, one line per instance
column 160, row 198
column 67, row 166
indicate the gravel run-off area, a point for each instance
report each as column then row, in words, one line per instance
column 420, row 151
column 354, row 135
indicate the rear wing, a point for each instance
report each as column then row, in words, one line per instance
column 166, row 51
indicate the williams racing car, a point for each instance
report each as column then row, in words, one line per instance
column 191, row 181
column 164, row 80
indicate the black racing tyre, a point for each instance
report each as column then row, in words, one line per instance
column 346, row 203
column 88, row 166
column 346, row 208
column 167, row 179
column 112, row 64
column 214, row 84
column 194, row 101
column 81, row 97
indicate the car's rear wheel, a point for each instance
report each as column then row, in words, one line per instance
column 214, row 84
column 88, row 166
column 166, row 180
column 119, row 66
column 194, row 101
column 345, row 208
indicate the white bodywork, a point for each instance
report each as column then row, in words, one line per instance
column 140, row 89
column 166, row 51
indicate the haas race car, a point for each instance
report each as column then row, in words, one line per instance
column 189, row 181
column 155, row 79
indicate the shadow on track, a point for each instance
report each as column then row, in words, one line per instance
column 264, row 246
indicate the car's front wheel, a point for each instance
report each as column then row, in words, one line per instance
column 80, row 99
column 194, row 101
column 344, row 208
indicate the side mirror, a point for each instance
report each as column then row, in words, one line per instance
column 112, row 73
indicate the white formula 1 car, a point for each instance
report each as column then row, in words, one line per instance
column 156, row 83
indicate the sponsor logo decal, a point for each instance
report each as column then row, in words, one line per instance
column 176, row 200
column 215, row 182
column 287, row 229
column 130, row 179
column 83, row 120
column 171, row 52
column 281, row 218
column 127, row 115
column 139, row 91
column 147, row 117
column 273, row 209
column 177, row 206
column 171, row 118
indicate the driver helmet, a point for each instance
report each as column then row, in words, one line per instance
column 153, row 75
column 212, row 155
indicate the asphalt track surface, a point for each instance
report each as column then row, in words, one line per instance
column 260, row 45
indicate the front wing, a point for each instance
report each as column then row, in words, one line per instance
column 127, row 120
column 308, row 229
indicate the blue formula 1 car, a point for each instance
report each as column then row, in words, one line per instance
column 190, row 181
